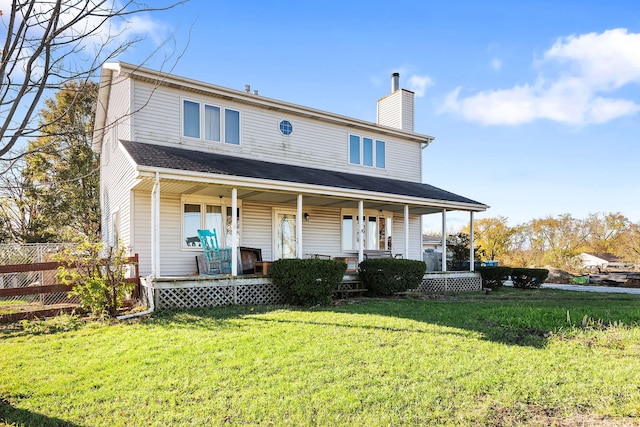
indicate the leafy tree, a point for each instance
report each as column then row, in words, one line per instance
column 557, row 240
column 492, row 237
column 61, row 176
column 605, row 230
column 628, row 246
column 49, row 43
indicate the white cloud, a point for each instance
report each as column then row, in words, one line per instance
column 574, row 75
column 496, row 64
column 419, row 84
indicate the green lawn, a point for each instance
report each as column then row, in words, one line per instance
column 513, row 357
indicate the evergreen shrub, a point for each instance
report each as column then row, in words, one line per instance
column 307, row 282
column 528, row 278
column 493, row 277
column 386, row 276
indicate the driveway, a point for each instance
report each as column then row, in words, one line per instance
column 586, row 288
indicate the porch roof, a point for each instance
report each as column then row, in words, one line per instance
column 180, row 159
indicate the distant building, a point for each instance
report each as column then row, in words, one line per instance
column 604, row 261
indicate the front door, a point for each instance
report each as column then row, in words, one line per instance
column 285, row 234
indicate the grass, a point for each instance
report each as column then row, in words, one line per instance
column 514, row 357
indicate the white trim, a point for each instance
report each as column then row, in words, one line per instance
column 306, row 189
column 406, row 231
column 234, row 231
column 444, row 240
column 471, row 257
column 360, row 229
column 299, row 219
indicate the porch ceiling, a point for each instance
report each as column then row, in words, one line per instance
column 177, row 187
column 211, row 174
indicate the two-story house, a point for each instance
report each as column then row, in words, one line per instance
column 178, row 155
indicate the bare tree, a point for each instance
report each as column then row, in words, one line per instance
column 52, row 42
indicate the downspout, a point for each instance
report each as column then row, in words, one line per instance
column 152, row 305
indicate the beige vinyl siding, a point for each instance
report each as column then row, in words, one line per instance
column 117, row 178
column 141, row 242
column 389, row 110
column 118, row 121
column 396, row 110
column 312, row 144
column 322, row 233
column 407, row 111
column 256, row 228
column 415, row 242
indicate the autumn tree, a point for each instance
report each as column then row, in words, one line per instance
column 605, row 230
column 557, row 241
column 61, row 174
column 49, row 43
column 492, row 237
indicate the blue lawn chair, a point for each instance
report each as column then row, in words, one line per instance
column 218, row 260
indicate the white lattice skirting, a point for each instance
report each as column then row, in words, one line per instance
column 215, row 292
column 451, row 281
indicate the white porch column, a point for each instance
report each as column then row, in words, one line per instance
column 406, row 231
column 234, row 231
column 360, row 223
column 471, row 262
column 444, row 240
column 299, row 227
column 155, row 227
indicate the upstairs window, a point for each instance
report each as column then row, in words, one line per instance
column 366, row 152
column 206, row 121
column 191, row 119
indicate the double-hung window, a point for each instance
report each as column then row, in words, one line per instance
column 210, row 215
column 366, row 151
column 210, row 122
column 376, row 226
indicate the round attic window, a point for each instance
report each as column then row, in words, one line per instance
column 285, row 127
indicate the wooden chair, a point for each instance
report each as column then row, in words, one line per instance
column 218, row 260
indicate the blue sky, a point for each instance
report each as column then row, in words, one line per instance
column 535, row 105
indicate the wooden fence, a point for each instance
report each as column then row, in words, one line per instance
column 50, row 289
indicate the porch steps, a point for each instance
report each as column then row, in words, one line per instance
column 349, row 287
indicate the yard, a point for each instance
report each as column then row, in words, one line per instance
column 514, row 357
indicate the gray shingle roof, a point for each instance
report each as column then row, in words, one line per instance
column 214, row 163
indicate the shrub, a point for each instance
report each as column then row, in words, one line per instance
column 492, row 277
column 98, row 278
column 308, row 281
column 387, row 276
column 529, row 278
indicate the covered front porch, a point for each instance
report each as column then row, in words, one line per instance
column 280, row 210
